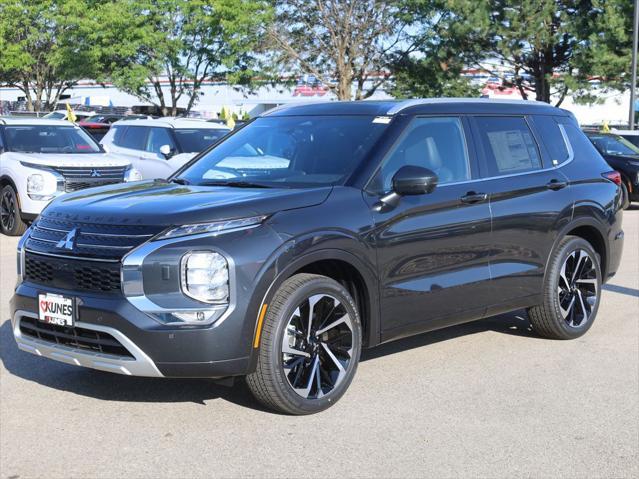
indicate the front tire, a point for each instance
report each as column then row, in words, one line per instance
column 572, row 291
column 11, row 223
column 310, row 346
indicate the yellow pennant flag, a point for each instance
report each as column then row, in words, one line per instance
column 70, row 114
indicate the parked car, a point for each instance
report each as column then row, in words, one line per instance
column 158, row 147
column 629, row 135
column 623, row 156
column 98, row 125
column 42, row 159
column 63, row 115
column 318, row 230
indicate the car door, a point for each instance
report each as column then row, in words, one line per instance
column 432, row 249
column 530, row 201
column 127, row 141
column 153, row 164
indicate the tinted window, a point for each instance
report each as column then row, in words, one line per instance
column 196, row 140
column 133, row 137
column 157, row 138
column 552, row 138
column 292, row 151
column 49, row 139
column 118, row 134
column 508, row 145
column 614, row 145
column 434, row 143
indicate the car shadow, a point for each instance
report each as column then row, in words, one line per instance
column 114, row 387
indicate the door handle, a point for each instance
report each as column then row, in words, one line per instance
column 556, row 185
column 471, row 197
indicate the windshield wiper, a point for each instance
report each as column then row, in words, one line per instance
column 234, row 184
column 180, row 181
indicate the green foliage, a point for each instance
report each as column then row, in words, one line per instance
column 428, row 78
column 188, row 41
column 44, row 47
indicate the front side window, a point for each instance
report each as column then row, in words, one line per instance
column 436, row 143
column 508, row 146
column 290, row 151
column 194, row 140
column 49, row 139
column 157, row 138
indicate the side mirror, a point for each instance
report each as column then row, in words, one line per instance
column 414, row 180
column 166, row 151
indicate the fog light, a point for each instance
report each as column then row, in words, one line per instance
column 204, row 276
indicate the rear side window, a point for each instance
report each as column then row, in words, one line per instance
column 552, row 138
column 508, row 146
column 134, row 138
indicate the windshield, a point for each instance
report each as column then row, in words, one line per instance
column 614, row 145
column 55, row 115
column 291, row 151
column 196, row 140
column 49, row 139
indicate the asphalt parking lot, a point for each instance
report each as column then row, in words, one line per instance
column 487, row 399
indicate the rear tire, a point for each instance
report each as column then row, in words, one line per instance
column 11, row 223
column 625, row 196
column 572, row 291
column 310, row 346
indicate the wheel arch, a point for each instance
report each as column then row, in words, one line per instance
column 344, row 267
column 589, row 230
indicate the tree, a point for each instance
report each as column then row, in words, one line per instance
column 350, row 41
column 43, row 48
column 186, row 42
column 552, row 42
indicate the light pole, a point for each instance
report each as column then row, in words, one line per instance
column 633, row 84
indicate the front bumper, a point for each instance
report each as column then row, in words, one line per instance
column 156, row 350
column 139, row 365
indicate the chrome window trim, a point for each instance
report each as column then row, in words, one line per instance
column 140, row 365
column 458, row 117
column 571, row 157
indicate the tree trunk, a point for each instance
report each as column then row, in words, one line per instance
column 344, row 87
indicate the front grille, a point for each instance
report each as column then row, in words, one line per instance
column 75, row 185
column 73, row 337
column 72, row 274
column 78, row 178
column 90, row 240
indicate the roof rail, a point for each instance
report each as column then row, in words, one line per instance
column 402, row 105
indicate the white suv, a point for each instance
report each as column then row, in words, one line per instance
column 41, row 159
column 158, row 147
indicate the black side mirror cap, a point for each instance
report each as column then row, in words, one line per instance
column 414, row 180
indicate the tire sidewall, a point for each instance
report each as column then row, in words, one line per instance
column 565, row 251
column 284, row 390
column 16, row 220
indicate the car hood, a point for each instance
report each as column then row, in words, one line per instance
column 66, row 160
column 161, row 203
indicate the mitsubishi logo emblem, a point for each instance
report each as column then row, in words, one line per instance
column 68, row 242
column 95, row 173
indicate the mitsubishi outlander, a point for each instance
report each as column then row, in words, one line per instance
column 318, row 230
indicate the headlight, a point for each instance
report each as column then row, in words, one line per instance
column 204, row 276
column 35, row 183
column 42, row 186
column 216, row 227
column 131, row 174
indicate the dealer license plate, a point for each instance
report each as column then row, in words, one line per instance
column 55, row 309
